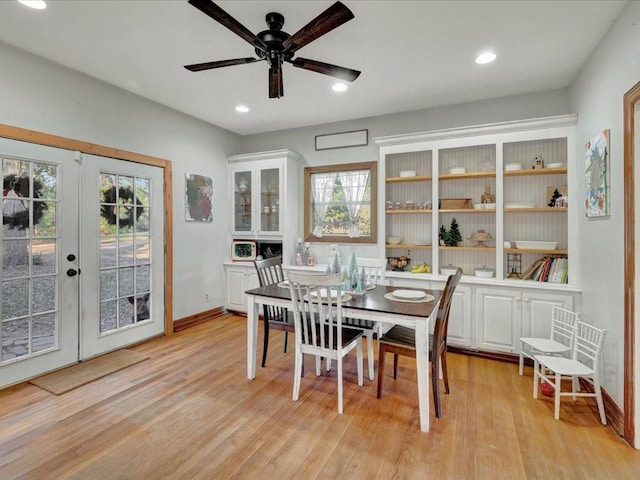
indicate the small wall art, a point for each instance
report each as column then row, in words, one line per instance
column 596, row 169
column 199, row 198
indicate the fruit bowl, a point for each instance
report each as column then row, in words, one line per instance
column 398, row 264
column 394, row 240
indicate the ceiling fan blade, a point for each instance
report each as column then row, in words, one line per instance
column 332, row 17
column 276, row 87
column 197, row 67
column 222, row 17
column 326, row 68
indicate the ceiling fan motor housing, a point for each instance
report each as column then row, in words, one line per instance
column 274, row 38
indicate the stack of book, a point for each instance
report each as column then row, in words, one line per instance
column 548, row 269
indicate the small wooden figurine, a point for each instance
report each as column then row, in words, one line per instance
column 487, row 196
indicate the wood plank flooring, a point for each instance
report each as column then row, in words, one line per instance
column 189, row 412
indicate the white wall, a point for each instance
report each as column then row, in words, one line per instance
column 613, row 68
column 38, row 95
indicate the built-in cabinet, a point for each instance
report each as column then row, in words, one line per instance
column 515, row 167
column 498, row 179
column 264, row 208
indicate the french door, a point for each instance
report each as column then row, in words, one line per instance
column 82, row 257
column 122, row 247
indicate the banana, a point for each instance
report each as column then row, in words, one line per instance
column 421, row 268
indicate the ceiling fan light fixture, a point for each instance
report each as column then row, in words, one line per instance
column 339, row 87
column 486, row 57
column 242, row 109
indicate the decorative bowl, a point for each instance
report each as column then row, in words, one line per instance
column 484, row 272
column 448, row 270
column 394, row 240
column 457, row 170
column 510, row 167
column 407, row 173
column 531, row 245
column 556, row 165
column 398, row 264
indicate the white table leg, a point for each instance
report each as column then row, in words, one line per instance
column 422, row 363
column 252, row 335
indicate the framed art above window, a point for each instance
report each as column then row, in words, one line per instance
column 341, row 203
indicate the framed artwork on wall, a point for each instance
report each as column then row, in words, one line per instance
column 198, row 198
column 596, row 170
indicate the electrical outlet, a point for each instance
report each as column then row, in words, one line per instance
column 206, row 297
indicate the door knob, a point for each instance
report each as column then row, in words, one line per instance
column 71, row 272
column 71, row 257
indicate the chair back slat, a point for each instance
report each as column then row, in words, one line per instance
column 563, row 326
column 588, row 344
column 442, row 320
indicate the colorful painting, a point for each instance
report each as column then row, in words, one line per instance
column 596, row 169
column 199, row 198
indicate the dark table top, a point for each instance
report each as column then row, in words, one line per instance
column 372, row 300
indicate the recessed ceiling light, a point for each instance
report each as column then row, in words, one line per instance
column 37, row 4
column 242, row 109
column 339, row 87
column 486, row 57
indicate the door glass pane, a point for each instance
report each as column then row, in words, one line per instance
column 125, row 263
column 242, row 201
column 29, row 258
column 269, row 199
column 43, row 253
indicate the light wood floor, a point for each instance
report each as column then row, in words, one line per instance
column 189, row 412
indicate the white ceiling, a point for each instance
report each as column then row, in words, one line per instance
column 412, row 54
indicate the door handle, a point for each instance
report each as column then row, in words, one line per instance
column 72, row 273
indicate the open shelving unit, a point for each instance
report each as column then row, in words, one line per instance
column 483, row 153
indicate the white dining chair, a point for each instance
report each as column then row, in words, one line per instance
column 319, row 330
column 559, row 342
column 584, row 363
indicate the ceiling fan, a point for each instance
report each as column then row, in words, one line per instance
column 275, row 46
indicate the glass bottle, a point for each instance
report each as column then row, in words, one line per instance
column 299, row 253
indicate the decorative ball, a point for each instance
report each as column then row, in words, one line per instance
column 547, row 389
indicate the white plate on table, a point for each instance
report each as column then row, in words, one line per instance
column 409, row 294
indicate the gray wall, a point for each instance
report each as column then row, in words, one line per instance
column 42, row 96
column 302, row 140
column 613, row 69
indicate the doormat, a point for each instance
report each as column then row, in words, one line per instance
column 82, row 373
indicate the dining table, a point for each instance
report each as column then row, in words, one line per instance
column 379, row 305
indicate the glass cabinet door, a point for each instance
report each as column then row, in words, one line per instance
column 242, row 186
column 270, row 185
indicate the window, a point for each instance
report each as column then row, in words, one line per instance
column 340, row 203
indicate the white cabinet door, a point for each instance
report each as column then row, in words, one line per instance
column 536, row 309
column 459, row 330
column 240, row 278
column 269, row 182
column 235, row 298
column 243, row 205
column 499, row 319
